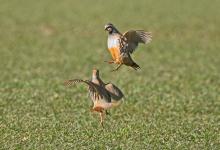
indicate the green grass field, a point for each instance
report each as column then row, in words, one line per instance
column 173, row 102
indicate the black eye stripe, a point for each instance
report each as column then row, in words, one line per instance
column 109, row 26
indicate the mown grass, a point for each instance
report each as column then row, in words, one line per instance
column 173, row 102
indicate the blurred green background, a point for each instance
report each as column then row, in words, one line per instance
column 173, row 102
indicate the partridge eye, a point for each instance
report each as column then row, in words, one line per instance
column 109, row 29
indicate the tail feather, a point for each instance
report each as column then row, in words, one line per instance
column 135, row 66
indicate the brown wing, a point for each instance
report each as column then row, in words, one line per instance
column 95, row 91
column 74, row 81
column 134, row 37
column 114, row 91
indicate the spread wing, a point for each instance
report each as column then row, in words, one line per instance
column 95, row 91
column 134, row 37
column 114, row 91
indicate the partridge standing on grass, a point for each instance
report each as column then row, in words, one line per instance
column 103, row 96
column 122, row 45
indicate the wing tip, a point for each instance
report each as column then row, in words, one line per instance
column 67, row 83
column 71, row 82
column 147, row 37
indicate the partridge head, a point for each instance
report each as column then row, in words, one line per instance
column 121, row 46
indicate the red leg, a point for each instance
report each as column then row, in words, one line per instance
column 101, row 118
column 117, row 67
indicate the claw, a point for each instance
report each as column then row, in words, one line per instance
column 110, row 62
column 101, row 123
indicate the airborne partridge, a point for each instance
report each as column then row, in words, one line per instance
column 103, row 96
column 122, row 45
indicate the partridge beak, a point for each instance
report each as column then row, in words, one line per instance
column 106, row 27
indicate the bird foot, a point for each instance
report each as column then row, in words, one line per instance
column 101, row 123
column 117, row 68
